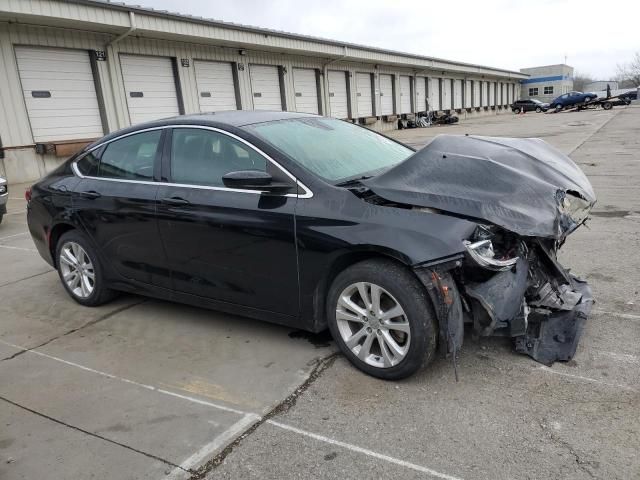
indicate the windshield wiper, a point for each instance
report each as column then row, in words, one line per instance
column 353, row 181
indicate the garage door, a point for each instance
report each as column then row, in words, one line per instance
column 466, row 97
column 476, row 93
column 364, row 94
column 421, row 94
column 59, row 93
column 265, row 87
column 338, row 96
column 386, row 94
column 405, row 94
column 457, row 94
column 150, row 87
column 305, row 84
column 434, row 94
column 446, row 94
column 216, row 86
column 492, row 94
column 485, row 94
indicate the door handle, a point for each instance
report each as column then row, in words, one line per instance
column 175, row 201
column 91, row 195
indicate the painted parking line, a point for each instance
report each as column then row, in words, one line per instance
column 18, row 248
column 586, row 379
column 212, row 448
column 626, row 316
column 131, row 382
column 364, row 451
column 13, row 236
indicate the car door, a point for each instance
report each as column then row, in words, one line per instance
column 115, row 201
column 224, row 244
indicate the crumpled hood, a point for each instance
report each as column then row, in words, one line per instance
column 523, row 185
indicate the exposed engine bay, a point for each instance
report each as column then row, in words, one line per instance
column 525, row 198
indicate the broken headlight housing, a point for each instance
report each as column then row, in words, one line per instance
column 481, row 250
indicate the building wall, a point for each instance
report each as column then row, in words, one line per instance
column 23, row 164
column 547, row 82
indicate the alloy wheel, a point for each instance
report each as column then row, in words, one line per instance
column 373, row 324
column 77, row 270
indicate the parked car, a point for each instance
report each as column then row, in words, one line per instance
column 571, row 99
column 313, row 222
column 4, row 197
column 529, row 105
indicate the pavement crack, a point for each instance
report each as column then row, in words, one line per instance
column 92, row 434
column 285, row 405
column 74, row 330
column 580, row 463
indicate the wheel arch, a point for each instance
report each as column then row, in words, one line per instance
column 54, row 236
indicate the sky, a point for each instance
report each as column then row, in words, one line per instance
column 594, row 36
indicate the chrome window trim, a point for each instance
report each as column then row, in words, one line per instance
column 307, row 192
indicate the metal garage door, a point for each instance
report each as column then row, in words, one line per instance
column 59, row 93
column 434, row 94
column 265, row 87
column 421, row 94
column 485, row 94
column 476, row 93
column 364, row 94
column 457, row 94
column 150, row 87
column 338, row 94
column 386, row 94
column 305, row 84
column 492, row 94
column 405, row 94
column 467, row 94
column 446, row 94
column 216, row 86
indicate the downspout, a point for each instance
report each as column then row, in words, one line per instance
column 325, row 74
column 110, row 49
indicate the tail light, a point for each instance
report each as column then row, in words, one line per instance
column 27, row 194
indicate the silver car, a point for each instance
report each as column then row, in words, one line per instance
column 4, row 196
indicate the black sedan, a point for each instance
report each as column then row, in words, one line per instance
column 529, row 105
column 313, row 222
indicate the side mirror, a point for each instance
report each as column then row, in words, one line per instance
column 254, row 180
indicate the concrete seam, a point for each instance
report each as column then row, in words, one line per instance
column 593, row 134
column 86, row 432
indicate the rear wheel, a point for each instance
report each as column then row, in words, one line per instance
column 607, row 105
column 381, row 318
column 80, row 270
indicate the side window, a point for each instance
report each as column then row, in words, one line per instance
column 203, row 157
column 88, row 165
column 132, row 157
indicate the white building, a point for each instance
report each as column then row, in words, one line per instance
column 547, row 82
column 73, row 70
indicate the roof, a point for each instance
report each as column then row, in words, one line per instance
column 277, row 33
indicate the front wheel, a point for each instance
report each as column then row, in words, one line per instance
column 558, row 108
column 607, row 105
column 538, row 110
column 80, row 270
column 516, row 110
column 381, row 318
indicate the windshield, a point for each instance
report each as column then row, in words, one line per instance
column 535, row 101
column 332, row 149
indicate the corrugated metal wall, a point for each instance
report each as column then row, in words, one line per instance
column 25, row 165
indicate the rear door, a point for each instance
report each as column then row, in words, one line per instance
column 116, row 202
column 227, row 245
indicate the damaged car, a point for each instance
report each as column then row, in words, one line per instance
column 316, row 223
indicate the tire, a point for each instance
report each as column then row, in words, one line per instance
column 91, row 293
column 1, row 218
column 607, row 105
column 558, row 108
column 516, row 110
column 417, row 347
column 538, row 110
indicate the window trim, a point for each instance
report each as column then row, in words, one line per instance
column 307, row 192
column 547, row 90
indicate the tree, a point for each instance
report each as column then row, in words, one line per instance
column 629, row 73
column 580, row 80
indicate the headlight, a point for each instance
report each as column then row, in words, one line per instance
column 482, row 253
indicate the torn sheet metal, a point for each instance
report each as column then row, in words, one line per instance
column 523, row 185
